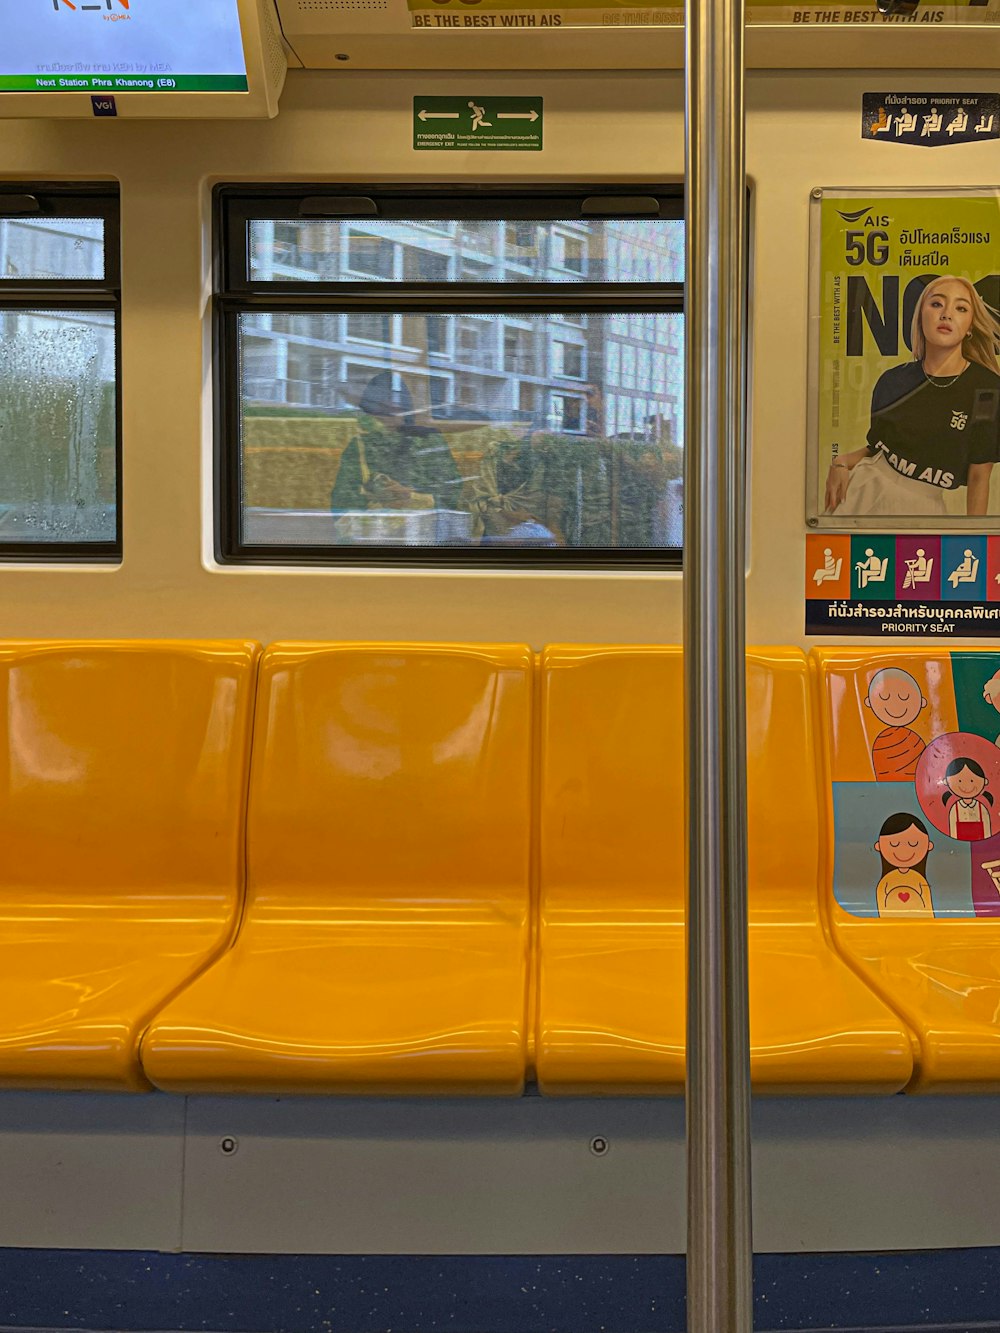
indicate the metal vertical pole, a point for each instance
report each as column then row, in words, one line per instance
column 720, row 1249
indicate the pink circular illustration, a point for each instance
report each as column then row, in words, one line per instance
column 958, row 786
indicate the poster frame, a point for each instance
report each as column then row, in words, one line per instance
column 816, row 519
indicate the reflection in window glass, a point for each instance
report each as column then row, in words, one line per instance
column 367, row 254
column 52, row 248
column 436, row 331
column 518, row 349
column 571, row 252
column 599, row 251
column 614, row 348
column 521, row 243
column 469, row 433
column 568, row 360
column 57, row 426
column 424, row 265
column 373, row 328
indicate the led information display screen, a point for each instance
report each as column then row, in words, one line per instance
column 116, row 46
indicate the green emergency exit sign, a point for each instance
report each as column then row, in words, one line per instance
column 477, row 124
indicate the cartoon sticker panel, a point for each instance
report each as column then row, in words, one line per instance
column 914, row 752
column 883, row 712
column 978, row 701
column 905, row 584
column 890, row 861
column 957, row 781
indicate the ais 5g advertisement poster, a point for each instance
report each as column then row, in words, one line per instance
column 905, row 376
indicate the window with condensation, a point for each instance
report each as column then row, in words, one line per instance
column 60, row 451
column 472, row 378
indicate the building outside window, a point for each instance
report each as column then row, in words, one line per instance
column 570, row 252
column 370, row 255
column 370, row 328
column 568, row 360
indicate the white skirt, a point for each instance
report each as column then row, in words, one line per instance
column 876, row 487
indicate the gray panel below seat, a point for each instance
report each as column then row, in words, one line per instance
column 101, row 1171
column 481, row 1176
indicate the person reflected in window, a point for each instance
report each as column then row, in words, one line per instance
column 509, row 499
column 396, row 460
column 640, row 467
column 567, row 474
column 608, row 492
column 648, row 463
column 577, row 465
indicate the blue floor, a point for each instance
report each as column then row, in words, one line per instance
column 83, row 1289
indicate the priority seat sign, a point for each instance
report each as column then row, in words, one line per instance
column 477, row 124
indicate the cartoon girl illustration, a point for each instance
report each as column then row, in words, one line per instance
column 903, row 890
column 969, row 817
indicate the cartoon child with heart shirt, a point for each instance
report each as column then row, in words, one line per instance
column 903, row 845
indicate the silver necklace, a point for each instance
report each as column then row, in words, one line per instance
column 938, row 383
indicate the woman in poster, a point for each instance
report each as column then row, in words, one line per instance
column 935, row 421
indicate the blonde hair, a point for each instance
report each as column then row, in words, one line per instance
column 981, row 343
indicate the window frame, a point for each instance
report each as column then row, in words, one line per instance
column 237, row 205
column 77, row 200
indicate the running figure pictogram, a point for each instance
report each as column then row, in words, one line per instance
column 478, row 114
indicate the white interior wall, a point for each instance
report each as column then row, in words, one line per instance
column 803, row 130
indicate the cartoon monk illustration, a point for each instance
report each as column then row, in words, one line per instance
column 903, row 845
column 895, row 699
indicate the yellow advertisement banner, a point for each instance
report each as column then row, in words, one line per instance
column 487, row 14
column 905, row 375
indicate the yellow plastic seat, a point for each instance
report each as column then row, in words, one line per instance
column 122, row 799
column 384, row 945
column 940, row 973
column 611, row 1003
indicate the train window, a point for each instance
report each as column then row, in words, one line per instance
column 59, row 416
column 479, row 250
column 473, row 377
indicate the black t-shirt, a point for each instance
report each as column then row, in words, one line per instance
column 934, row 432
